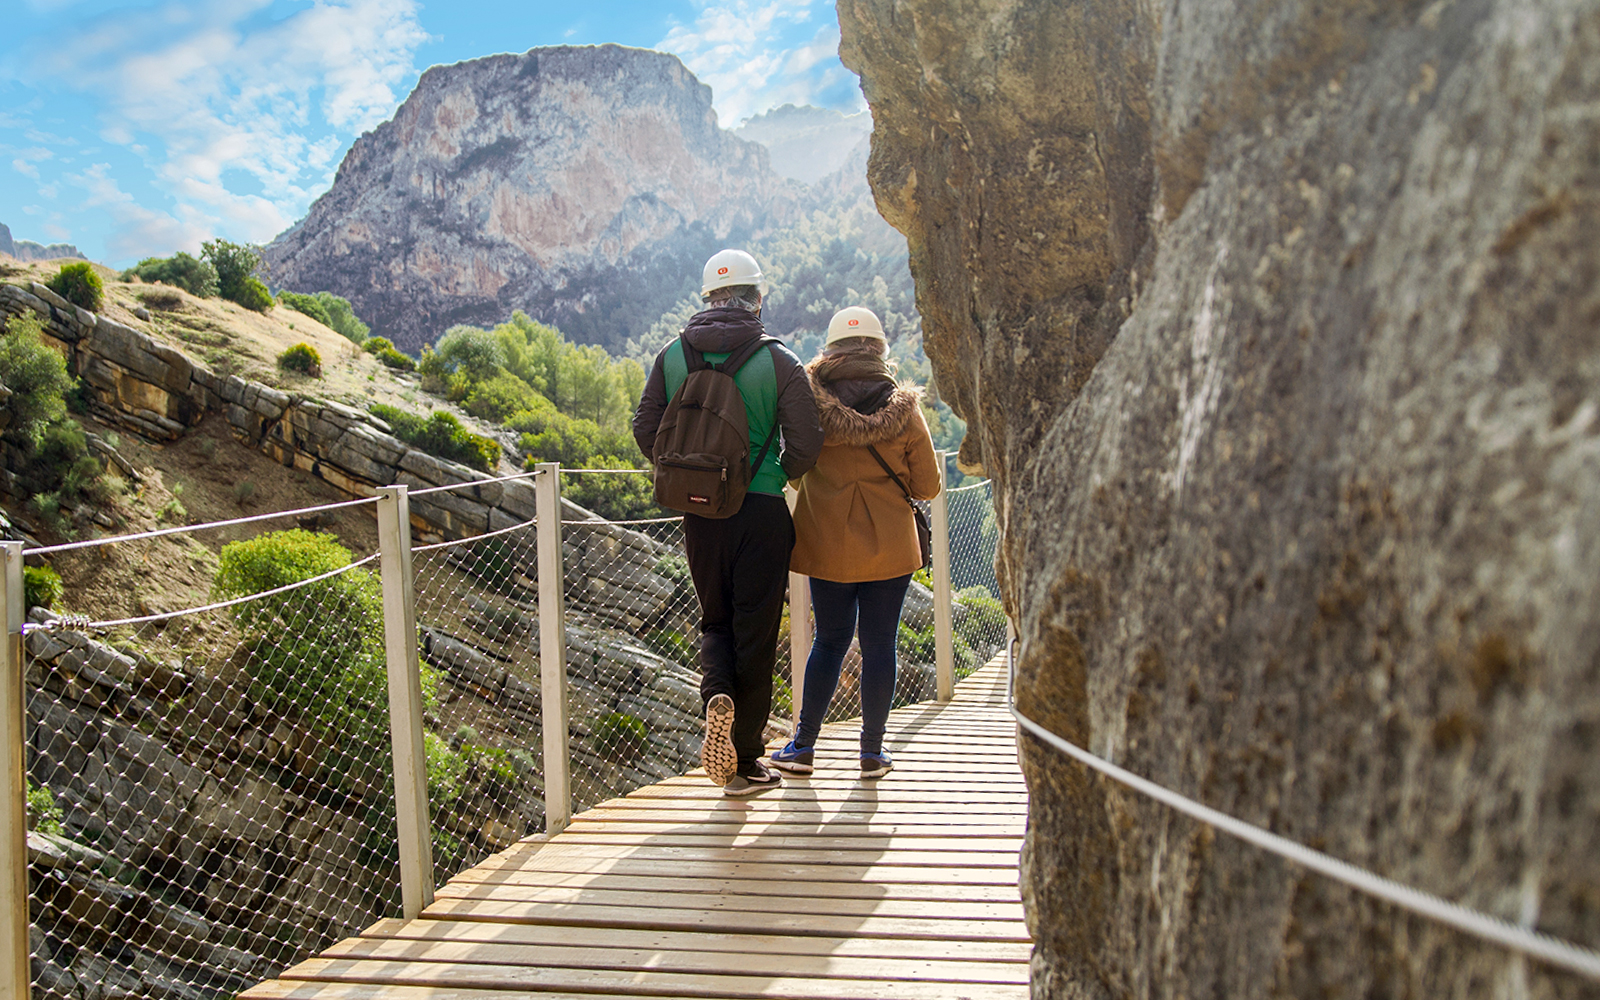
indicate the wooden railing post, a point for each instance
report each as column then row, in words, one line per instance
column 405, row 700
column 943, row 631
column 14, row 967
column 799, row 629
column 552, row 649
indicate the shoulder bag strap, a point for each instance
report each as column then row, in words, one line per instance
column 890, row 471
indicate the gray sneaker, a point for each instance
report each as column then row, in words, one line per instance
column 753, row 777
column 717, row 754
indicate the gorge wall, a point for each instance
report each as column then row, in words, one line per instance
column 1275, row 323
column 585, row 186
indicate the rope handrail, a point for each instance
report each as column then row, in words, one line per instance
column 474, row 482
column 1566, row 955
column 475, row 538
column 570, row 472
column 180, row 529
column 100, row 626
column 969, row 486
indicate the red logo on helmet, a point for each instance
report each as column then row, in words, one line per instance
column 722, row 270
column 854, row 322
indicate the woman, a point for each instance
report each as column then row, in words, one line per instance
column 855, row 536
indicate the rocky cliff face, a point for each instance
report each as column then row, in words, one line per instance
column 585, row 186
column 29, row 250
column 1276, row 324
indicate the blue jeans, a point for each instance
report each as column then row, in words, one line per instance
column 838, row 606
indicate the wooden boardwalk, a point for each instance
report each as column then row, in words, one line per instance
column 830, row 887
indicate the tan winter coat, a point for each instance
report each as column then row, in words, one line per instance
column 852, row 523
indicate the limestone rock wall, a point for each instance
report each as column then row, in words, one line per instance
column 574, row 183
column 1276, row 324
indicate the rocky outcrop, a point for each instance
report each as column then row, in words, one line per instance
column 27, row 250
column 572, row 183
column 1275, row 325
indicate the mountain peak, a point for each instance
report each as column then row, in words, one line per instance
column 549, row 182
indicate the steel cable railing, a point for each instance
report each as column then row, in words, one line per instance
column 1523, row 939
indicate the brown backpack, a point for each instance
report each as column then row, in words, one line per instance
column 702, row 448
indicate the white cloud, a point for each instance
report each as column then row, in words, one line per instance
column 27, row 160
column 138, row 231
column 749, row 55
column 228, row 92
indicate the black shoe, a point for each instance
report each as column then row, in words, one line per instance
column 753, row 777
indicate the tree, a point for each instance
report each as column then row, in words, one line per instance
column 235, row 264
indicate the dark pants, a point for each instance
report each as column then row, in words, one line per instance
column 838, row 606
column 740, row 568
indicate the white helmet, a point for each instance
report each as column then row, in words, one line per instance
column 729, row 267
column 854, row 321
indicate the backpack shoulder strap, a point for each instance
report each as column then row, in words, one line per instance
column 735, row 361
column 693, row 359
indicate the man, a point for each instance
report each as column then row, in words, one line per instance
column 740, row 564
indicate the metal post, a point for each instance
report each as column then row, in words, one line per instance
column 405, row 700
column 943, row 632
column 14, row 966
column 552, row 648
column 799, row 627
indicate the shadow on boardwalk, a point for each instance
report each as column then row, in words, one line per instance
column 830, row 887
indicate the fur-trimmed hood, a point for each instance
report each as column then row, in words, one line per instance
column 843, row 425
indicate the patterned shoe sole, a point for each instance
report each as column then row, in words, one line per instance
column 717, row 754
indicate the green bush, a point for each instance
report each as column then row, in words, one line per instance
column 985, row 624
column 372, row 345
column 235, row 263
column 499, row 397
column 394, row 359
column 44, row 813
column 193, row 275
column 41, row 586
column 37, row 377
column 79, row 284
column 621, row 737
column 52, row 462
column 441, row 435
column 674, row 646
column 306, row 305
column 342, row 317
column 301, row 358
column 317, row 648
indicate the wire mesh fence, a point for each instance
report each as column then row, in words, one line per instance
column 211, row 792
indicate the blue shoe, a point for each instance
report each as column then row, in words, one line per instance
column 795, row 760
column 875, row 765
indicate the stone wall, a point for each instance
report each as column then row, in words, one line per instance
column 159, row 392
column 1275, row 324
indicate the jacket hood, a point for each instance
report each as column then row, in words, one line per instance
column 721, row 329
column 844, row 425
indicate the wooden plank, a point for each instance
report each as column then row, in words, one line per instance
column 766, row 888
column 901, row 888
column 811, row 840
column 755, row 855
column 943, row 910
column 932, row 875
column 670, row 940
column 670, row 820
column 727, row 921
column 721, row 987
column 751, row 963
column 279, row 989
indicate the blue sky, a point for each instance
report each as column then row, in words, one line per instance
column 135, row 129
